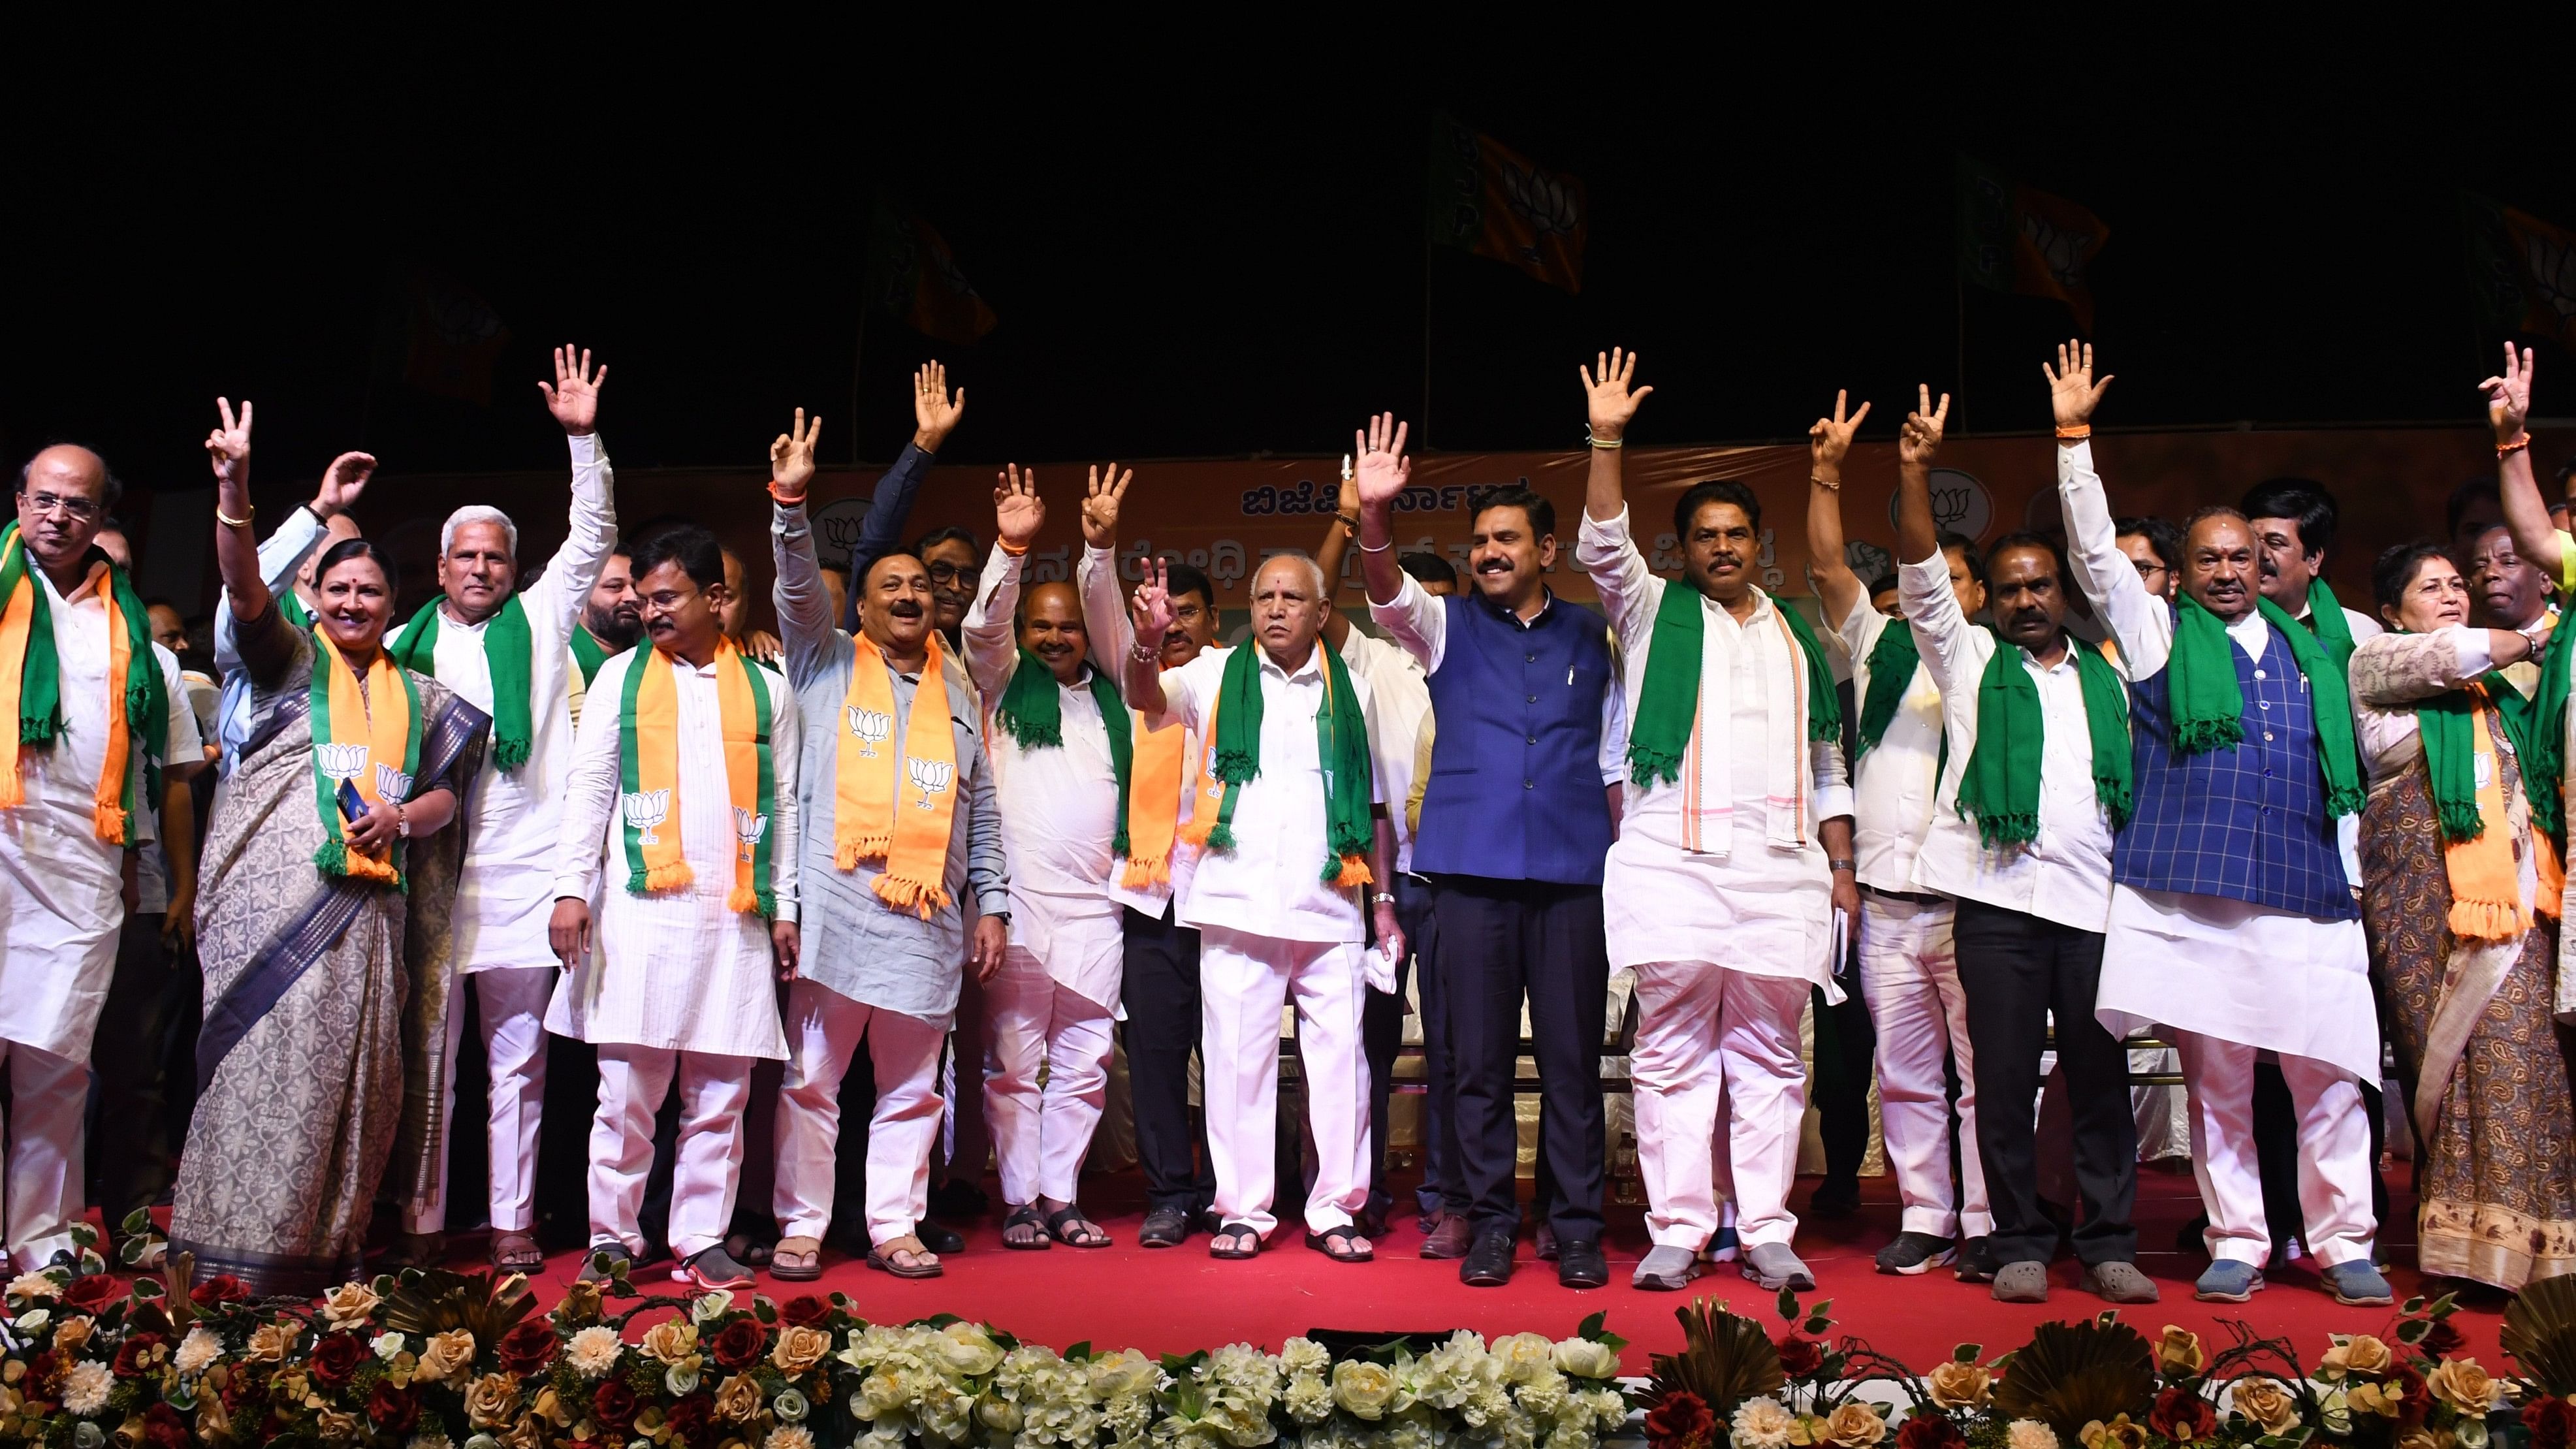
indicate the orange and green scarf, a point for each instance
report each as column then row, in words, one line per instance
column 868, row 818
column 31, row 704
column 357, row 737
column 648, row 777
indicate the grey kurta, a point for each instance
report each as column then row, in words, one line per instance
column 855, row 944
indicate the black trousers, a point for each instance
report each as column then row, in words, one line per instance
column 2017, row 969
column 1160, row 987
column 1846, row 1057
column 1382, row 1039
column 1501, row 940
column 130, row 1130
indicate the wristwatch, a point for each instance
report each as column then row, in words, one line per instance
column 402, row 823
column 1382, row 899
column 1852, row 865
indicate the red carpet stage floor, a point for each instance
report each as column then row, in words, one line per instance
column 1176, row 1299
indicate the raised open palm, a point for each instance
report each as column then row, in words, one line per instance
column 935, row 410
column 1383, row 470
column 573, row 397
column 1610, row 403
column 2072, row 392
column 1018, row 512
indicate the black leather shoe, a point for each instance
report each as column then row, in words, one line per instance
column 1489, row 1263
column 1165, row 1227
column 1579, row 1264
column 939, row 1240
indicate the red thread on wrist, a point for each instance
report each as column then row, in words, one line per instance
column 1004, row 545
column 781, row 499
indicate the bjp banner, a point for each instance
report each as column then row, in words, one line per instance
column 1488, row 199
column 2016, row 238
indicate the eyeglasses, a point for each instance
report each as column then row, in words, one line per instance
column 79, row 510
column 1187, row 613
column 2149, row 568
column 943, row 573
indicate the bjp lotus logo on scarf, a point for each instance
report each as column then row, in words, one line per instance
column 748, row 827
column 931, row 777
column 644, row 810
column 872, row 726
column 392, row 784
column 342, row 762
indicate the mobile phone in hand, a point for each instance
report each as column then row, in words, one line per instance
column 353, row 806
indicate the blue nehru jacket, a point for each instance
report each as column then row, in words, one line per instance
column 1515, row 788
column 2247, row 822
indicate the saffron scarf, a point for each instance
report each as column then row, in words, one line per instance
column 2466, row 781
column 1892, row 662
column 31, row 705
column 1149, row 814
column 868, row 821
column 587, row 652
column 1032, row 713
column 648, row 777
column 508, row 644
column 1233, row 730
column 359, row 737
column 2000, row 787
column 2209, row 707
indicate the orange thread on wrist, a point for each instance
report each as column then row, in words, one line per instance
column 1005, row 545
column 2075, row 433
column 2519, row 442
column 781, row 499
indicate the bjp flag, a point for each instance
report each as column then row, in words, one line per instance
column 451, row 338
column 2522, row 271
column 2015, row 238
column 1489, row 199
column 910, row 273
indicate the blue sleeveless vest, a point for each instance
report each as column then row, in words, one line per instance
column 1515, row 786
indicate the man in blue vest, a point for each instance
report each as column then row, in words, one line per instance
column 1515, row 826
column 2232, row 913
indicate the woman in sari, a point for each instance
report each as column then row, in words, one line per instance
column 2460, row 893
column 322, row 920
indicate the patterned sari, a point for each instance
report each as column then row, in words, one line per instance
column 325, row 1002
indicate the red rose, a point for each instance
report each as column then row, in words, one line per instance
column 528, row 1348
column 1681, row 1421
column 221, row 1288
column 804, row 1311
column 690, row 1417
column 1929, row 1431
column 1800, row 1357
column 2442, row 1341
column 393, row 1410
column 737, row 1345
column 132, row 1355
column 2180, row 1415
column 2551, row 1420
column 2414, row 1396
column 613, row 1405
column 164, row 1429
column 90, row 1294
column 337, row 1357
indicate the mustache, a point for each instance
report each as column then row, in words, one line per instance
column 904, row 609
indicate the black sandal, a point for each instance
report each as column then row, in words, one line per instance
column 1093, row 1235
column 1335, row 1243
column 1235, row 1231
column 1026, row 1216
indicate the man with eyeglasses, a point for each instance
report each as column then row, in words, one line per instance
column 98, row 708
column 2155, row 547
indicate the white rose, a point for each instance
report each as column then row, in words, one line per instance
column 1585, row 1359
column 1304, row 1356
column 1525, row 1355
column 2029, row 1434
column 86, row 1387
column 965, row 1350
column 711, row 1305
column 1365, row 1389
column 197, row 1350
column 35, row 1322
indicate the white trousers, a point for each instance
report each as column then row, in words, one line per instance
column 1244, row 981
column 1033, row 1020
column 1909, row 975
column 824, row 1029
column 2334, row 1153
column 513, row 1026
column 633, row 1080
column 1717, row 1047
column 48, row 1100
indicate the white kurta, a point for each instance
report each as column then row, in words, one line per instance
column 504, row 893
column 677, row 969
column 61, row 887
column 1758, row 908
column 1894, row 783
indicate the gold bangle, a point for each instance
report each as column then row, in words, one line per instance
column 1600, row 442
column 228, row 521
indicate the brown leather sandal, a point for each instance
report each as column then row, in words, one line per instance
column 797, row 1260
column 517, row 1252
column 924, row 1264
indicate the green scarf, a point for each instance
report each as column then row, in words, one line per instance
column 1668, row 700
column 587, row 652
column 507, row 646
column 1032, row 712
column 2326, row 621
column 40, row 679
column 2000, row 787
column 2450, row 763
column 1341, row 742
column 296, row 614
column 2209, row 708
column 1892, row 662
column 2538, row 729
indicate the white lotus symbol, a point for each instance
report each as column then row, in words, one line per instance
column 931, row 777
column 646, row 809
column 749, row 827
column 392, row 784
column 342, row 762
column 871, row 726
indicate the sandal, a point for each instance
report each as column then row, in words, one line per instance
column 1336, row 1244
column 516, row 1252
column 882, row 1257
column 1026, row 1216
column 796, row 1260
column 417, row 1250
column 1068, row 1226
column 1235, row 1233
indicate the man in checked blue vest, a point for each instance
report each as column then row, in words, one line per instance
column 2233, row 919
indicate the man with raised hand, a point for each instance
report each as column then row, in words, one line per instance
column 1062, row 748
column 1286, row 809
column 900, row 831
column 2232, row 915
column 2035, row 780
column 1909, row 969
column 508, row 654
column 1732, row 859
column 1515, row 826
column 82, row 751
column 1159, row 986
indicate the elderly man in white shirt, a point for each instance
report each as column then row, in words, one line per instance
column 1733, row 857
column 1275, row 896
column 481, row 635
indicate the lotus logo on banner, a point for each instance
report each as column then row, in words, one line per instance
column 646, row 809
column 341, row 762
column 392, row 784
column 871, row 726
column 931, row 777
column 748, row 827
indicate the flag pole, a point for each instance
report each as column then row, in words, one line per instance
column 858, row 349
column 1423, row 433
column 1959, row 291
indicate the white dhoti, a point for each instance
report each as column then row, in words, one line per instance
column 1244, row 982
column 512, row 1023
column 1717, row 1047
column 1909, row 974
column 1036, row 1016
column 633, row 1080
column 824, row 1030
